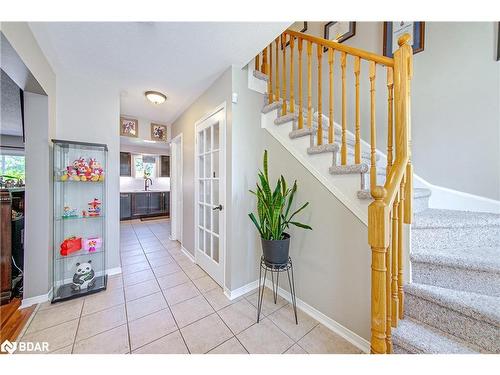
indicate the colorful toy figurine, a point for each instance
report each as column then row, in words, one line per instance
column 84, row 276
column 70, row 245
column 94, row 207
column 68, row 212
column 92, row 244
column 81, row 170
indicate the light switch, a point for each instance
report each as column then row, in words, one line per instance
column 235, row 97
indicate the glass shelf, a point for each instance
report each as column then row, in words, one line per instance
column 81, row 272
column 79, row 254
column 71, row 218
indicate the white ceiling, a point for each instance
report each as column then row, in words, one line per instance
column 180, row 59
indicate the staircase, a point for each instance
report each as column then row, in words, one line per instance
column 452, row 304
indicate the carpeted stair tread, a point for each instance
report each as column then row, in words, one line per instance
column 479, row 259
column 477, row 306
column 416, row 337
column 439, row 218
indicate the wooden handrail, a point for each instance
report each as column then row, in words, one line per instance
column 383, row 60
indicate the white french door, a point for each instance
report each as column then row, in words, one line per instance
column 210, row 194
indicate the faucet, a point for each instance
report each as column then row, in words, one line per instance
column 146, row 185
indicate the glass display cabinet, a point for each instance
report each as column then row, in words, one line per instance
column 79, row 254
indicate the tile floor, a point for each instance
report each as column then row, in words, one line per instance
column 164, row 303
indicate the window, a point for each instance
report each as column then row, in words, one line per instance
column 144, row 166
column 12, row 166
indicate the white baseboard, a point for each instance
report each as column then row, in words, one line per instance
column 188, row 254
column 450, row 199
column 27, row 302
column 114, row 271
column 232, row 294
column 328, row 322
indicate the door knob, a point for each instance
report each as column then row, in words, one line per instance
column 219, row 207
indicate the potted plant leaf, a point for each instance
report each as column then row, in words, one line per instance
column 274, row 212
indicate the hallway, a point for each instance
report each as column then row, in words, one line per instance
column 165, row 304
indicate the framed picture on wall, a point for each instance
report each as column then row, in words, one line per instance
column 158, row 132
column 129, row 127
column 393, row 30
column 339, row 31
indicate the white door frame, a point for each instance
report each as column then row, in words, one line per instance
column 222, row 185
column 176, row 198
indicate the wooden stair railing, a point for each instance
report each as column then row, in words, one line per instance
column 391, row 207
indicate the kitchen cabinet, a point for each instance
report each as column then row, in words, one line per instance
column 125, row 164
column 164, row 166
column 125, row 206
column 144, row 204
column 140, row 204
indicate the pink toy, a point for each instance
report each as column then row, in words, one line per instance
column 92, row 244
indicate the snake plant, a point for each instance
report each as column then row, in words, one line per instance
column 274, row 207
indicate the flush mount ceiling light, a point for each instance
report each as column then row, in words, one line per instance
column 155, row 97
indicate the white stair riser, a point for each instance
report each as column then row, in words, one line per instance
column 480, row 333
column 420, row 204
column 445, row 238
column 468, row 280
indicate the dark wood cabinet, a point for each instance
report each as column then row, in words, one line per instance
column 125, row 164
column 164, row 166
column 140, row 204
column 125, row 206
column 144, row 204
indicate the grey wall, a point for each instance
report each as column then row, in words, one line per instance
column 455, row 102
column 215, row 95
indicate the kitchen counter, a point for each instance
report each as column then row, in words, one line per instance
column 137, row 204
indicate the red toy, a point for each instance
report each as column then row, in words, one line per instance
column 94, row 207
column 70, row 245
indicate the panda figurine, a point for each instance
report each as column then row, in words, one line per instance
column 84, row 276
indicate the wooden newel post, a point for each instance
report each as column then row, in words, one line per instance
column 403, row 66
column 378, row 238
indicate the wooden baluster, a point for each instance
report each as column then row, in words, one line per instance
column 357, row 144
column 309, row 84
column 343, row 148
column 378, row 238
column 409, row 167
column 394, row 267
column 283, row 92
column 263, row 67
column 292, row 86
column 270, row 81
column 390, row 116
column 319, row 140
column 277, row 76
column 388, row 338
column 401, row 249
column 373, row 159
column 257, row 62
column 301, row 94
column 331, row 129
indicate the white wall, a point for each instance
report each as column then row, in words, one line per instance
column 40, row 128
column 89, row 111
